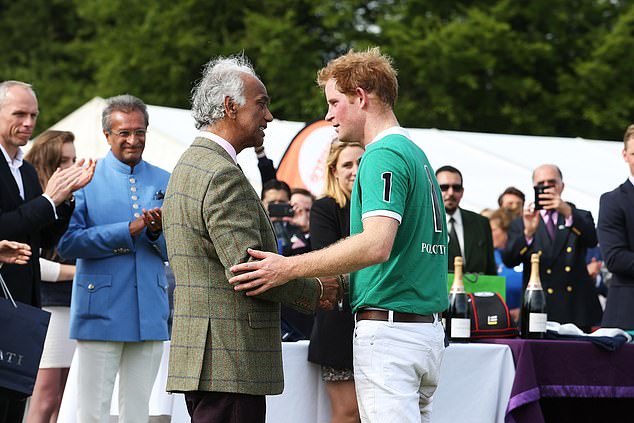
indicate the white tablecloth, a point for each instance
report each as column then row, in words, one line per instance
column 475, row 385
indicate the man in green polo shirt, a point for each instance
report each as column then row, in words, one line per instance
column 395, row 180
column 397, row 250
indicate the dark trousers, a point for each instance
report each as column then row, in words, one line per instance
column 11, row 410
column 225, row 407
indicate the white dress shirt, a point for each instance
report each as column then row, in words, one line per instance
column 14, row 165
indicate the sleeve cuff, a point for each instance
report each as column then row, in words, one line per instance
column 50, row 200
column 49, row 270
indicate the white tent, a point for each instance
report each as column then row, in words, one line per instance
column 489, row 162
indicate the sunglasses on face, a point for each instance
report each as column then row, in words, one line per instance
column 455, row 187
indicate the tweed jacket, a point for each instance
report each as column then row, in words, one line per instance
column 222, row 340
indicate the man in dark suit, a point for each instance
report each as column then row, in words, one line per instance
column 616, row 239
column 26, row 214
column 469, row 233
column 561, row 234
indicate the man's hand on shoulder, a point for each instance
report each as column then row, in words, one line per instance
column 256, row 277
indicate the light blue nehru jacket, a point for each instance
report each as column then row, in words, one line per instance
column 120, row 289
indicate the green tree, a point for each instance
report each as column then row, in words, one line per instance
column 38, row 46
column 502, row 66
column 511, row 66
column 597, row 95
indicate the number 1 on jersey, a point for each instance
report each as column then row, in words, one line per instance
column 387, row 186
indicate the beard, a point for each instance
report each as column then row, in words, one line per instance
column 451, row 208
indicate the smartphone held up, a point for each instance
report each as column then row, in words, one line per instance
column 281, row 210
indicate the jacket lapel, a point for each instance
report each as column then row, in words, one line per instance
column 628, row 189
column 29, row 188
column 469, row 246
column 8, row 180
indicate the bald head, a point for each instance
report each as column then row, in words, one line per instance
column 550, row 176
column 549, row 166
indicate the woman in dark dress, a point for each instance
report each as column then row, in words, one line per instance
column 331, row 338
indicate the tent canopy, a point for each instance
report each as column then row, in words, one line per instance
column 489, row 162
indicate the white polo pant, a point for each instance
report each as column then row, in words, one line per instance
column 396, row 369
column 99, row 362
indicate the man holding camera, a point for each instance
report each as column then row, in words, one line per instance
column 289, row 211
column 561, row 234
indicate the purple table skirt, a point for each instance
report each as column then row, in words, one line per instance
column 571, row 369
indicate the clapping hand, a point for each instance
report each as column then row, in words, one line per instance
column 63, row 182
column 153, row 219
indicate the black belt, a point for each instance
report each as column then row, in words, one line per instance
column 398, row 317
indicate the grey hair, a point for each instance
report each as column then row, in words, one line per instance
column 222, row 77
column 6, row 85
column 125, row 103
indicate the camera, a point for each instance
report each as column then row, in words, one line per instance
column 281, row 210
column 539, row 189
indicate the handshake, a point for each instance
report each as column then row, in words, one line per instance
column 331, row 292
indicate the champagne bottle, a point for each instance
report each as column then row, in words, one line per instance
column 533, row 313
column 458, row 321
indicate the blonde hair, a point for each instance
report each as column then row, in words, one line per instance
column 369, row 70
column 46, row 153
column 331, row 184
column 504, row 218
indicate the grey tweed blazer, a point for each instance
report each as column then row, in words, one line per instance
column 222, row 340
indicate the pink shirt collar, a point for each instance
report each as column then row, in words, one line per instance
column 221, row 142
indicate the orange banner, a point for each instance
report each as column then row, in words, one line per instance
column 304, row 162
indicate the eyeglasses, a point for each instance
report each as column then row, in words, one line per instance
column 455, row 187
column 139, row 133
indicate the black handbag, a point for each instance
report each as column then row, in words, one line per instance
column 21, row 343
column 490, row 316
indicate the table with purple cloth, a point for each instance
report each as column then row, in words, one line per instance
column 565, row 380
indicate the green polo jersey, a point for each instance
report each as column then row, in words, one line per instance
column 396, row 180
